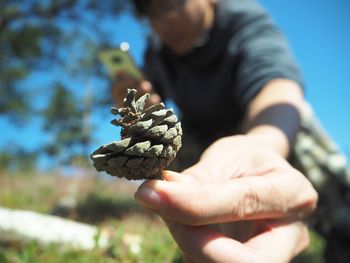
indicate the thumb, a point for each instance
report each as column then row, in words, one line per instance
column 177, row 177
column 196, row 203
column 185, row 200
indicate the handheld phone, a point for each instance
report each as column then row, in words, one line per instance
column 119, row 60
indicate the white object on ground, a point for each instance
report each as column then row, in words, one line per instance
column 51, row 229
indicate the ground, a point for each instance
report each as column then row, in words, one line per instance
column 108, row 203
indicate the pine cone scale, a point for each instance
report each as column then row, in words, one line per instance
column 138, row 149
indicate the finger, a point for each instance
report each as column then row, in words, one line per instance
column 203, row 244
column 153, row 99
column 289, row 238
column 146, row 87
column 245, row 198
column 151, row 199
column 177, row 177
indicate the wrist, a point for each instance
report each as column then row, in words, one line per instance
column 270, row 137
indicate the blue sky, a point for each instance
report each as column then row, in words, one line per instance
column 319, row 35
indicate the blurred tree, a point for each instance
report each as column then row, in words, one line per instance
column 64, row 122
column 18, row 159
column 46, row 36
column 36, row 34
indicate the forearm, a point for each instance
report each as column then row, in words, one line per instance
column 272, row 120
column 273, row 117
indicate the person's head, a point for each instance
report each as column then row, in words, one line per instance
column 178, row 23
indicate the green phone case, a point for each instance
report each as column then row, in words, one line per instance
column 116, row 60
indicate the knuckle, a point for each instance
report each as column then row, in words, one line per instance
column 312, row 201
column 248, row 204
column 308, row 196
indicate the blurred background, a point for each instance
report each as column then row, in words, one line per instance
column 54, row 107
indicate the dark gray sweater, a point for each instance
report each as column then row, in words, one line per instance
column 213, row 84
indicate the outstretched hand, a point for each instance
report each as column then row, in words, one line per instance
column 258, row 199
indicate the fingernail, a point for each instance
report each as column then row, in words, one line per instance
column 149, row 198
column 177, row 177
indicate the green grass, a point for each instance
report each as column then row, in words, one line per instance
column 156, row 246
column 109, row 204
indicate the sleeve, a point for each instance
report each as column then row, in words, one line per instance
column 261, row 50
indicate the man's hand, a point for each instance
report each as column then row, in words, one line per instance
column 124, row 81
column 261, row 199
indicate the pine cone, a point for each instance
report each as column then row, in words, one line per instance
column 150, row 140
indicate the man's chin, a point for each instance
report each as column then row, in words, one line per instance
column 179, row 49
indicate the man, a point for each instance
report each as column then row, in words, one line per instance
column 229, row 70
